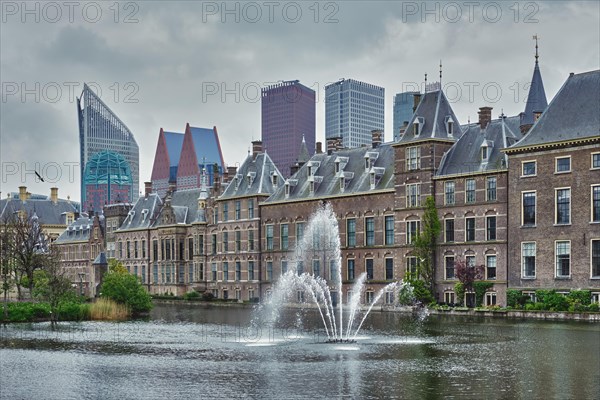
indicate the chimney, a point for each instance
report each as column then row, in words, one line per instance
column 485, row 116
column 256, row 148
column 54, row 195
column 537, row 115
column 147, row 189
column 231, row 171
column 339, row 144
column 319, row 148
column 22, row 193
column 217, row 178
column 416, row 101
column 377, row 137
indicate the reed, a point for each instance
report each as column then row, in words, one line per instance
column 108, row 310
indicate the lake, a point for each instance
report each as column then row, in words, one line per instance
column 216, row 352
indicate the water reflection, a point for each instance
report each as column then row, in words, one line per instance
column 214, row 352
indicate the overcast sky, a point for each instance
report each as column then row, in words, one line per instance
column 163, row 64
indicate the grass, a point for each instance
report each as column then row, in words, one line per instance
column 108, row 310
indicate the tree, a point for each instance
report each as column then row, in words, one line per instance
column 124, row 288
column 425, row 243
column 467, row 274
column 6, row 264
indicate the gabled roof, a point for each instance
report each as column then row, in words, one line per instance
column 78, row 231
column 143, row 213
column 433, row 112
column 184, row 204
column 352, row 172
column 254, row 177
column 573, row 114
column 174, row 141
column 465, row 156
column 207, row 146
column 47, row 212
column 536, row 100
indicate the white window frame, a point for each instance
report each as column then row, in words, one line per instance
column 592, row 203
column 409, row 195
column 523, row 276
column 592, row 160
column 556, row 171
column 486, row 266
column 453, row 230
column 449, row 294
column 467, row 191
column 523, row 168
column 534, row 205
column 556, row 205
column 592, row 276
column 556, row 260
column 445, row 263
column 446, row 186
column 489, row 296
column 413, row 161
column 487, row 188
column 409, row 231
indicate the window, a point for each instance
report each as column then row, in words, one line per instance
column 563, row 259
column 250, row 208
column 284, row 236
column 238, row 271
column 470, row 260
column 490, row 267
column 595, row 298
column 269, row 237
column 181, row 273
column 528, row 168
column 484, row 153
column 350, row 264
column 528, row 253
column 284, row 267
column 200, row 249
column 135, row 249
column 120, row 250
column 412, row 231
column 449, row 193
column 490, row 299
column 413, row 195
column 389, row 269
column 369, row 268
column 531, row 296
column 563, row 164
column 299, row 231
column 190, row 248
column 351, row 232
column 470, row 191
column 389, row 297
column 529, row 200
column 225, row 270
column 413, row 158
column 449, row 264
column 389, row 230
column 470, row 229
column 449, row 230
column 370, row 231
column 563, row 206
column 596, row 258
column 412, row 265
column 225, row 242
column 250, row 270
column 491, row 188
column 349, row 295
column 369, row 297
column 333, row 276
column 214, row 243
column 238, row 210
column 449, row 298
column 251, row 240
column 238, row 240
column 128, row 249
column 215, row 214
column 300, row 267
column 214, row 271
column 225, row 212
column 490, row 228
column 596, row 203
column 269, row 270
column 595, row 160
column 316, row 268
column 155, row 273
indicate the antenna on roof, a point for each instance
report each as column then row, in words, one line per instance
column 536, row 37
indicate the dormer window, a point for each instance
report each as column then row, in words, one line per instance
column 418, row 125
column 484, row 153
column 337, row 167
column 238, row 180
column 367, row 163
column 144, row 214
column 342, row 184
column 372, row 179
column 251, row 176
column 449, row 125
column 310, row 171
column 287, row 190
column 274, row 179
column 312, row 187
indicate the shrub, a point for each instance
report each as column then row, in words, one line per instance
column 580, row 296
column 595, row 307
column 480, row 288
column 72, row 311
column 207, row 296
column 27, row 312
column 459, row 289
column 126, row 289
column 421, row 292
column 191, row 295
column 513, row 297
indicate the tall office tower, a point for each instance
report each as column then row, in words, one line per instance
column 403, row 111
column 288, row 115
column 352, row 110
column 100, row 130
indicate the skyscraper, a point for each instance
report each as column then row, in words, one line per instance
column 403, row 111
column 101, row 130
column 288, row 115
column 352, row 110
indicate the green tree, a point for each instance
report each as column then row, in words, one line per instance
column 124, row 288
column 424, row 245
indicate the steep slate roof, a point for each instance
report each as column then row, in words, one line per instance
column 259, row 173
column 207, row 146
column 352, row 167
column 78, row 231
column 174, row 141
column 536, row 100
column 47, row 212
column 573, row 114
column 434, row 108
column 184, row 204
column 465, row 155
column 137, row 218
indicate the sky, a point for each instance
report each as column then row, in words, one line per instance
column 160, row 64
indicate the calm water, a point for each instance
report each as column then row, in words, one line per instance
column 194, row 352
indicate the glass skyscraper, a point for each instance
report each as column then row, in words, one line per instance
column 101, row 130
column 352, row 110
column 288, row 114
column 403, row 111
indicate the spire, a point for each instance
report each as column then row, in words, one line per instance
column 425, row 82
column 536, row 99
column 440, row 74
column 303, row 155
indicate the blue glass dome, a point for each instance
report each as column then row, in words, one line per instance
column 107, row 167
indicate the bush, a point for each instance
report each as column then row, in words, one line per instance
column 421, row 292
column 480, row 288
column 193, row 295
column 72, row 311
column 595, row 307
column 26, row 312
column 580, row 296
column 207, row 296
column 513, row 297
column 126, row 289
column 552, row 301
column 459, row 289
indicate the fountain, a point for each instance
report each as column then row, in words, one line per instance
column 320, row 248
